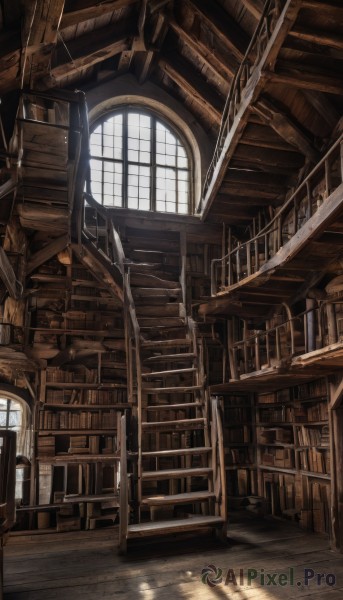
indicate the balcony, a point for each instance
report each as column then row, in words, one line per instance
column 293, row 346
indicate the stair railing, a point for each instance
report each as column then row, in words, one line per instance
column 248, row 257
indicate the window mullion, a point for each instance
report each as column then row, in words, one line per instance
column 153, row 166
column 125, row 158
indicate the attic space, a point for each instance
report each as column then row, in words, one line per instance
column 171, row 299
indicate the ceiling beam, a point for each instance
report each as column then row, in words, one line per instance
column 254, row 7
column 146, row 60
column 285, row 128
column 323, row 38
column 86, row 54
column 209, row 56
column 86, row 10
column 193, row 84
column 303, row 80
column 323, row 106
column 224, row 27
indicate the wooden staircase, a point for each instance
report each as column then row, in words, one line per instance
column 179, row 485
column 172, row 471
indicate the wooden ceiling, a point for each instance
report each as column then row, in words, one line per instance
column 192, row 49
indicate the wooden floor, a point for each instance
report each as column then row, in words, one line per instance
column 86, row 565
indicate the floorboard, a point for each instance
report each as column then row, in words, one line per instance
column 86, row 565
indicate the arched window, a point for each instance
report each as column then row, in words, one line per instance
column 15, row 416
column 138, row 161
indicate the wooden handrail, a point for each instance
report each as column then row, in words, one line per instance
column 244, row 72
column 277, row 218
column 218, row 459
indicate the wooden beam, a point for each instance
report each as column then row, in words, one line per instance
column 286, row 129
column 157, row 37
column 194, row 85
column 46, row 253
column 323, row 38
column 224, row 27
column 8, row 276
column 86, row 53
column 250, row 94
column 209, row 56
column 85, row 10
column 254, row 7
column 336, row 395
column 323, row 106
column 303, row 80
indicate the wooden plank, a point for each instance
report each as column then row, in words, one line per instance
column 193, row 84
column 176, row 473
column 8, row 276
column 85, row 11
column 186, row 498
column 47, row 253
column 164, row 527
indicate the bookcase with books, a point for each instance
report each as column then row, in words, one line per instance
column 293, row 456
column 240, row 445
column 75, row 327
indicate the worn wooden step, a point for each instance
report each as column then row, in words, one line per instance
column 172, row 390
column 179, row 425
column 176, row 525
column 156, row 293
column 170, row 357
column 188, row 498
column 158, row 323
column 145, row 280
column 177, row 452
column 159, row 344
column 174, row 406
column 158, row 374
column 176, row 473
column 172, row 309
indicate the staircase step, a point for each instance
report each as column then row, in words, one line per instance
column 174, row 406
column 177, row 452
column 145, row 280
column 158, row 374
column 176, row 473
column 166, row 343
column 170, row 357
column 178, row 498
column 173, row 390
column 164, row 527
column 173, row 309
column 156, row 292
column 158, row 323
column 180, row 424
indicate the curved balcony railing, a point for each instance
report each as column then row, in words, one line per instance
column 314, row 329
column 247, row 258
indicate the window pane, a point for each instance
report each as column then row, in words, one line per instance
column 170, row 164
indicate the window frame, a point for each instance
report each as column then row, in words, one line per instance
column 174, row 130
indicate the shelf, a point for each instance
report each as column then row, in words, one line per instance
column 318, row 475
column 281, row 469
column 236, row 467
column 276, row 445
column 312, row 423
column 312, row 398
column 45, row 432
column 85, row 386
column 84, row 406
column 90, row 332
column 85, row 458
column 275, row 424
column 299, row 448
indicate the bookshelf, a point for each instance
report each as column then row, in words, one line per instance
column 75, row 327
column 293, row 454
column 240, row 445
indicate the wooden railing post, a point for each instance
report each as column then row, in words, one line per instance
column 123, row 490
